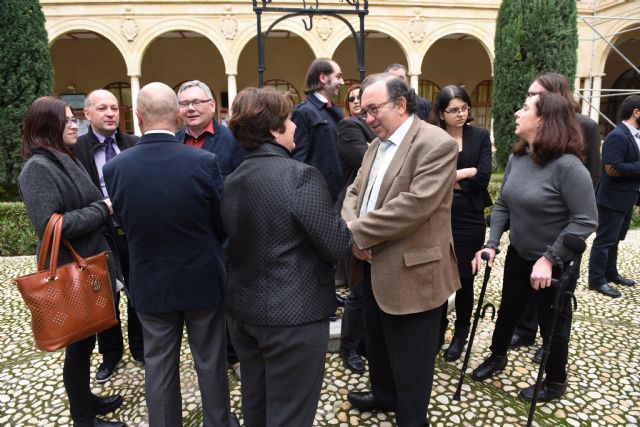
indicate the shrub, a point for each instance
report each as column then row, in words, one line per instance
column 16, row 232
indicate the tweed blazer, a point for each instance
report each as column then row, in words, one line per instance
column 413, row 267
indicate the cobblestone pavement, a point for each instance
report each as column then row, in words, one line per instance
column 604, row 380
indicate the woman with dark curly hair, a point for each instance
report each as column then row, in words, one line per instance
column 284, row 236
column 452, row 112
column 546, row 194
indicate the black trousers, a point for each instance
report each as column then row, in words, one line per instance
column 516, row 292
column 110, row 342
column 352, row 327
column 612, row 227
column 401, row 350
column 75, row 375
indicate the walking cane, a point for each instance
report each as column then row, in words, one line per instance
column 576, row 245
column 476, row 317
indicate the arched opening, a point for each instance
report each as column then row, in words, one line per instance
column 458, row 59
column 287, row 58
column 428, row 89
column 381, row 50
column 180, row 55
column 84, row 61
column 620, row 80
column 481, row 101
column 285, row 88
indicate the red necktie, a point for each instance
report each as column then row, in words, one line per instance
column 329, row 104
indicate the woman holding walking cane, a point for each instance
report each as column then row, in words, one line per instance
column 546, row 193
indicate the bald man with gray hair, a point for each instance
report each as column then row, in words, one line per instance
column 167, row 197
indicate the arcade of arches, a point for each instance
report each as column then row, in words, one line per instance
column 122, row 47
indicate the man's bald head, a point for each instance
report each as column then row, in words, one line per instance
column 157, row 107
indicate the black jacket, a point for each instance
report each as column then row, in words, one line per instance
column 316, row 139
column 476, row 153
column 354, row 137
column 284, row 236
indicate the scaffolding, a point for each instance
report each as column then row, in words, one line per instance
column 592, row 92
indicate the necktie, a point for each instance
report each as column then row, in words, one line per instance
column 109, row 152
column 329, row 104
column 373, row 175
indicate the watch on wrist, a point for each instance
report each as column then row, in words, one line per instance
column 497, row 251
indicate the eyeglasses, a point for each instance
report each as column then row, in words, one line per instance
column 458, row 110
column 351, row 98
column 373, row 110
column 72, row 122
column 195, row 102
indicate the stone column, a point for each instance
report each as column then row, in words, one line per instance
column 135, row 90
column 413, row 82
column 595, row 98
column 232, row 89
column 587, row 96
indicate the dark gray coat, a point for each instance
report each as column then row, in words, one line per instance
column 284, row 236
column 52, row 182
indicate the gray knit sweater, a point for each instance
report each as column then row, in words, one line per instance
column 51, row 181
column 542, row 203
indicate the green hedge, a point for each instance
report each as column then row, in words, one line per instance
column 16, row 232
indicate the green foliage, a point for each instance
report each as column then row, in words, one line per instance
column 532, row 37
column 16, row 232
column 25, row 67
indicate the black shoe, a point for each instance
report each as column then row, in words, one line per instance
column 455, row 348
column 538, row 356
column 353, row 361
column 105, row 371
column 98, row 422
column 365, row 401
column 340, row 301
column 518, row 341
column 105, row 405
column 548, row 391
column 619, row 280
column 607, row 290
column 490, row 366
column 139, row 359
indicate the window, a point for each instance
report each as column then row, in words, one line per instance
column 122, row 92
column 481, row 102
column 428, row 90
column 286, row 88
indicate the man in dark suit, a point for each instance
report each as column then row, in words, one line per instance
column 399, row 212
column 201, row 130
column 100, row 144
column 616, row 195
column 316, row 120
column 424, row 105
column 167, row 197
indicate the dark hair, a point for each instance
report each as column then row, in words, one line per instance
column 630, row 103
column 317, row 67
column 396, row 88
column 559, row 131
column 44, row 125
column 448, row 93
column 557, row 83
column 347, row 110
column 256, row 112
column 395, row 67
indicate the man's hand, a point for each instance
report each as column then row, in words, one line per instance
column 361, row 254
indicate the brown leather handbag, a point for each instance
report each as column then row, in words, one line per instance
column 70, row 302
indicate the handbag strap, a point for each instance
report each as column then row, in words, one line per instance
column 51, row 237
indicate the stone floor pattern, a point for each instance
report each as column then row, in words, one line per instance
column 604, row 378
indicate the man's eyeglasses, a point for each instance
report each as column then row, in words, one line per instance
column 458, row 110
column 351, row 98
column 372, row 110
column 195, row 102
column 72, row 122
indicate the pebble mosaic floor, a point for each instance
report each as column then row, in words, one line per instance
column 604, row 371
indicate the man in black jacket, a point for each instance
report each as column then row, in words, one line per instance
column 100, row 144
column 424, row 105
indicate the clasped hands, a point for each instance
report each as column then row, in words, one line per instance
column 361, row 254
